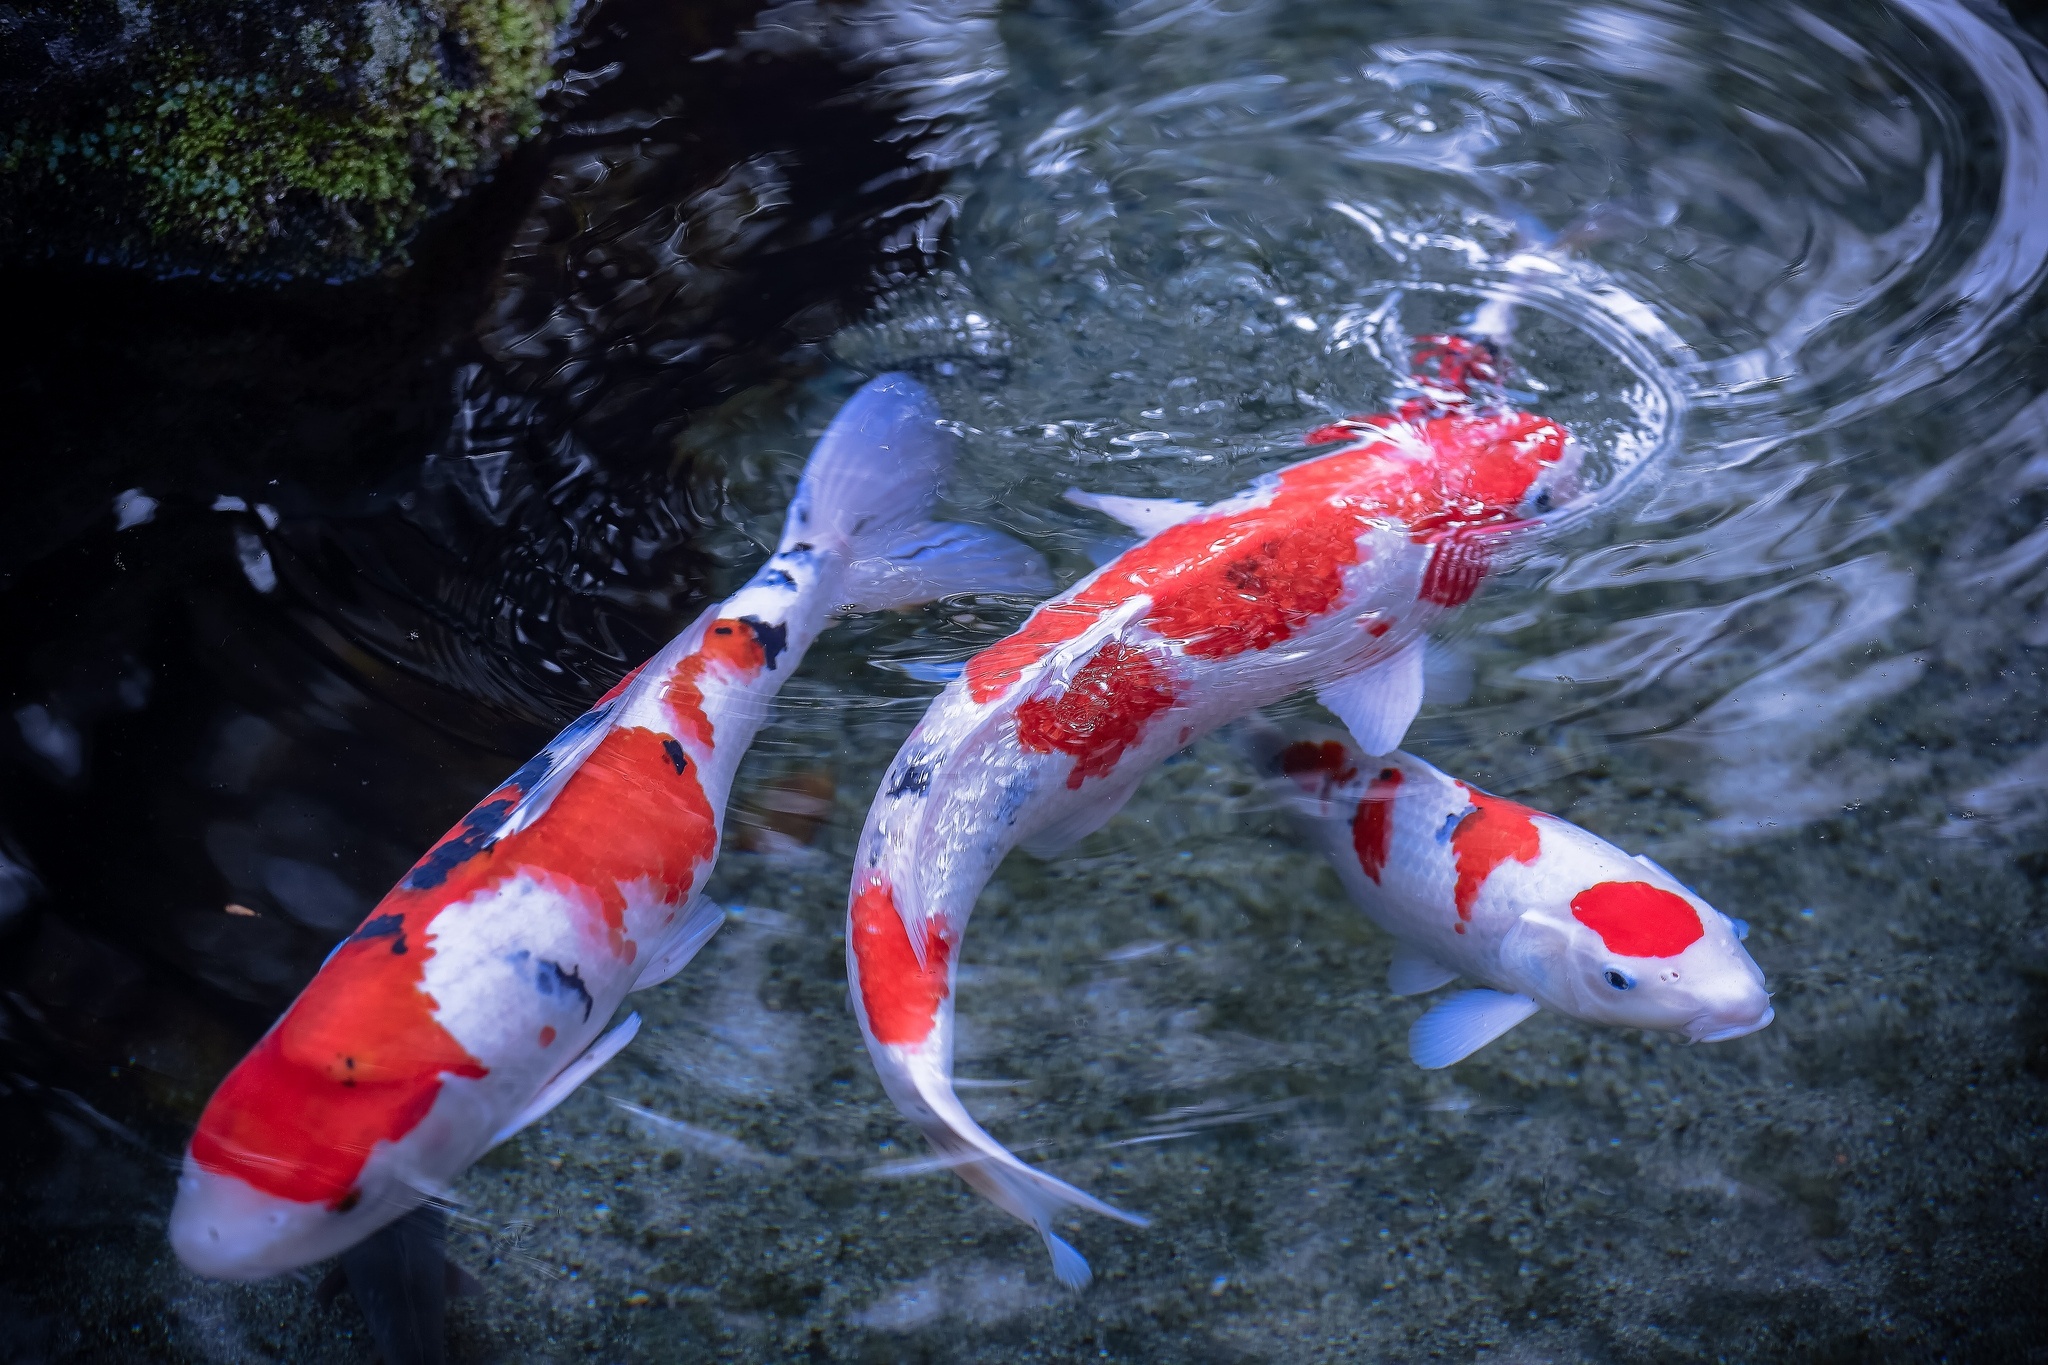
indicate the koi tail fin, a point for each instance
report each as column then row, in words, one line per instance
column 868, row 492
column 1024, row 1192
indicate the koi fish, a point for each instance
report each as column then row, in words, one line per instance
column 1323, row 574
column 474, row 997
column 1542, row 914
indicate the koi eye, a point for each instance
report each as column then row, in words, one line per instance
column 1618, row 980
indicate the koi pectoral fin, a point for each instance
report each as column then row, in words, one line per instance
column 1378, row 703
column 1458, row 1027
column 1413, row 972
column 1146, row 516
column 576, row 1073
column 700, row 919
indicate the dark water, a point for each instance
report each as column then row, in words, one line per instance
column 1779, row 267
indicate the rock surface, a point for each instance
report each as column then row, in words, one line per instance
column 291, row 137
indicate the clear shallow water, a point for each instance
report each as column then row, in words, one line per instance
column 1777, row 267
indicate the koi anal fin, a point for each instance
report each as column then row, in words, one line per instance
column 1378, row 703
column 1461, row 1025
column 571, row 1076
column 700, row 920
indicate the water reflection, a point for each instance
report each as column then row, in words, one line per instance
column 295, row 577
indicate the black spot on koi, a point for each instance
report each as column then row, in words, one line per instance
column 915, row 777
column 472, row 837
column 776, row 578
column 773, row 639
column 676, row 756
column 550, row 979
column 383, row 926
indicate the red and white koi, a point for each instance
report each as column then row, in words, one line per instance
column 1323, row 574
column 472, row 999
column 1540, row 913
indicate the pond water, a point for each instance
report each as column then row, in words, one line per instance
column 294, row 574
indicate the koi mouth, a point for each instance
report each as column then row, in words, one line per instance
column 1722, row 1035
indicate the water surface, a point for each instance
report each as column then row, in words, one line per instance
column 1777, row 266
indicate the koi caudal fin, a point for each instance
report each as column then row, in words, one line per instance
column 924, row 1092
column 868, row 494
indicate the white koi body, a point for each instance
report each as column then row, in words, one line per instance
column 1540, row 913
column 472, row 999
column 1326, row 573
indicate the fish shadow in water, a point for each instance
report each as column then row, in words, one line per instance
column 402, row 1279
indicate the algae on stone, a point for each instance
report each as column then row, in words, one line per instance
column 302, row 137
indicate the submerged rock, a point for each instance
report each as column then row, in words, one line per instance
column 285, row 137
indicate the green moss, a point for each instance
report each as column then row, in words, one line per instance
column 308, row 142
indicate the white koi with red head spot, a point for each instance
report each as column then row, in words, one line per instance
column 472, row 999
column 1323, row 574
column 1542, row 914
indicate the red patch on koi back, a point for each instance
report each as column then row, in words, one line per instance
column 730, row 649
column 1259, row 591
column 1635, row 919
column 1372, row 829
column 1102, row 712
column 360, row 1056
column 900, row 996
column 1224, row 584
column 1005, row 661
column 1493, row 832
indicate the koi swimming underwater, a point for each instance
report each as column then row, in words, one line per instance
column 472, row 999
column 1542, row 914
column 1326, row 573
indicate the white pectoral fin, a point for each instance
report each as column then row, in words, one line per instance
column 571, row 1076
column 1146, row 516
column 1378, row 703
column 1459, row 1026
column 1413, row 972
column 928, row 560
column 700, row 920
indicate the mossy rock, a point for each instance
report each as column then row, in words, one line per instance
column 275, row 137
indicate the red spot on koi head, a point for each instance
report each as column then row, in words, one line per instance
column 1490, row 834
column 1372, row 829
column 1454, row 362
column 547, row 1035
column 1635, row 919
column 361, row 1057
column 1102, row 712
column 357, row 1060
column 899, row 995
